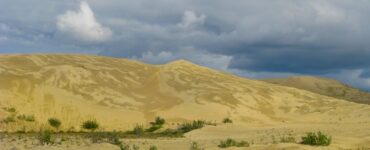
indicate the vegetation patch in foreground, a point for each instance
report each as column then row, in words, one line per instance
column 45, row 137
column 227, row 120
column 54, row 122
column 91, row 125
column 316, row 139
column 232, row 143
column 187, row 127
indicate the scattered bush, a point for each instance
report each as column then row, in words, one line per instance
column 29, row 118
column 138, row 130
column 9, row 119
column 91, row 125
column 316, row 139
column 10, row 109
column 54, row 122
column 187, row 127
column 45, row 137
column 231, row 142
column 113, row 138
column 227, row 120
column 195, row 146
column 158, row 121
column 153, row 147
column 287, row 140
column 157, row 124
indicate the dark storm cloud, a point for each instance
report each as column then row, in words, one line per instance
column 249, row 37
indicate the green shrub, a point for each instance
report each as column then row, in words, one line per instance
column 138, row 130
column 157, row 124
column 195, row 146
column 227, row 120
column 54, row 122
column 153, row 147
column 30, row 118
column 316, row 139
column 113, row 138
column 45, row 137
column 187, row 127
column 9, row 119
column 91, row 125
column 231, row 143
column 158, row 121
column 10, row 109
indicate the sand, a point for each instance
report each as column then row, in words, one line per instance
column 120, row 93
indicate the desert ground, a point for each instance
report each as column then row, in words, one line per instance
column 262, row 137
column 121, row 94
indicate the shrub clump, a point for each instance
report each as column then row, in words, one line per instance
column 91, row 125
column 9, row 119
column 157, row 124
column 232, row 143
column 10, row 109
column 54, row 122
column 138, row 130
column 153, row 147
column 187, row 127
column 45, row 137
column 227, row 120
column 316, row 139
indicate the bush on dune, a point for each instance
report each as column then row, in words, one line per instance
column 316, row 139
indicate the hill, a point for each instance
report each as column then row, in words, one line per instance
column 324, row 86
column 120, row 93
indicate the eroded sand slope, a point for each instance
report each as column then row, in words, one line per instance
column 120, row 93
column 324, row 86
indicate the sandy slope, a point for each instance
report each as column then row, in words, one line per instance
column 324, row 86
column 120, row 93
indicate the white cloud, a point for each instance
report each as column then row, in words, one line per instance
column 191, row 19
column 83, row 25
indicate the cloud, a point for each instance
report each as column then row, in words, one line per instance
column 253, row 38
column 82, row 25
column 191, row 19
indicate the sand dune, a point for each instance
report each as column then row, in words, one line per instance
column 121, row 93
column 324, row 86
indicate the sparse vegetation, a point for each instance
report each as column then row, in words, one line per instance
column 316, row 139
column 45, row 137
column 153, row 147
column 9, row 119
column 10, row 109
column 187, row 127
column 54, row 122
column 29, row 118
column 195, row 146
column 157, row 124
column 288, row 139
column 232, row 143
column 138, row 130
column 227, row 120
column 91, row 125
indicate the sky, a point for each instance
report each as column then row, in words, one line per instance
column 250, row 38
